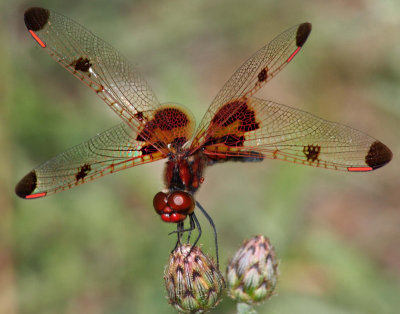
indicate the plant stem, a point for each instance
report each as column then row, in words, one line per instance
column 244, row 308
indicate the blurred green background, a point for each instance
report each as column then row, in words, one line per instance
column 100, row 248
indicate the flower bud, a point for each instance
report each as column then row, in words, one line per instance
column 252, row 273
column 193, row 282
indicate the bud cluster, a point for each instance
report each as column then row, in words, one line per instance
column 193, row 282
column 252, row 273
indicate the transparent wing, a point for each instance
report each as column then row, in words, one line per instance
column 113, row 150
column 95, row 63
column 264, row 129
column 252, row 75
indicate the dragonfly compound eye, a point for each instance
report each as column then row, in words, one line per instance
column 160, row 202
column 181, row 202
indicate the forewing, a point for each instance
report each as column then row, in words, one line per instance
column 113, row 150
column 253, row 74
column 95, row 63
column 264, row 129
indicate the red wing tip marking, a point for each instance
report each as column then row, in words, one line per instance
column 359, row 169
column 39, row 41
column 302, row 33
column 35, row 18
column 293, row 54
column 37, row 195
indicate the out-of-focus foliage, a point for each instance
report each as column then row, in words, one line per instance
column 100, row 248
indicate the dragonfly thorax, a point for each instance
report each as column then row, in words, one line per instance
column 183, row 177
column 185, row 173
column 173, row 206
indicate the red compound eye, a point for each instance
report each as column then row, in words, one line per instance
column 181, row 202
column 159, row 202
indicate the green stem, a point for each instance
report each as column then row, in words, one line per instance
column 244, row 308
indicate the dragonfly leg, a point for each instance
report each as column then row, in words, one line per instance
column 213, row 226
column 179, row 230
column 192, row 226
column 196, row 223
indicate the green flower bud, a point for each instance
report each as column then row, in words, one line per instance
column 193, row 282
column 252, row 273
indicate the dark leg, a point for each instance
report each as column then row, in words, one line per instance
column 198, row 227
column 192, row 227
column 213, row 226
column 193, row 220
column 179, row 230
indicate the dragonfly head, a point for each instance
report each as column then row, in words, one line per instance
column 173, row 206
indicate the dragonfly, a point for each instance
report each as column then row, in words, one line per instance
column 236, row 127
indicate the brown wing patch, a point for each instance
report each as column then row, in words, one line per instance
column 378, row 155
column 170, row 118
column 26, row 185
column 312, row 152
column 83, row 172
column 170, row 127
column 35, row 18
column 236, row 111
column 262, row 76
column 81, row 64
column 232, row 124
column 302, row 34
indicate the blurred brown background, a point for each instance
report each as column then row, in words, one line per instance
column 100, row 248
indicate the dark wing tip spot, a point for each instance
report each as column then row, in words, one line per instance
column 378, row 155
column 35, row 18
column 302, row 33
column 27, row 185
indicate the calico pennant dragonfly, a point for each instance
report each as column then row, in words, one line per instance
column 236, row 127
